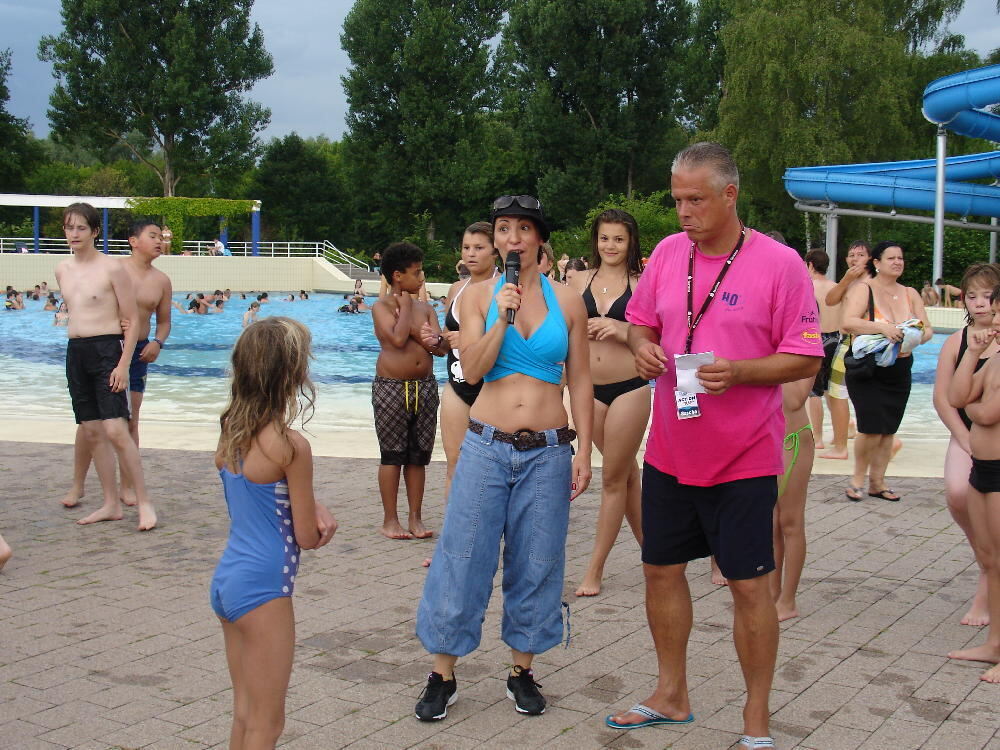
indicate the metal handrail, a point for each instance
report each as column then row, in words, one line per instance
column 292, row 249
column 335, row 255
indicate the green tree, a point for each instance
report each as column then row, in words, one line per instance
column 417, row 89
column 19, row 152
column 603, row 82
column 173, row 71
column 300, row 184
column 813, row 83
column 651, row 213
column 705, row 63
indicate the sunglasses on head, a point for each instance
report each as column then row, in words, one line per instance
column 528, row 202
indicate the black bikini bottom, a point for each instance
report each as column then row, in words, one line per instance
column 610, row 391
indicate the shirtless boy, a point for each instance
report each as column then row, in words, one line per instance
column 979, row 394
column 817, row 261
column 100, row 294
column 152, row 295
column 404, row 392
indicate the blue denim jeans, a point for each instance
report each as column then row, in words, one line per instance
column 522, row 496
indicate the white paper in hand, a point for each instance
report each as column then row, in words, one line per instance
column 687, row 366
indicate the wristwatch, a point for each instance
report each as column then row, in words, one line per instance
column 157, row 341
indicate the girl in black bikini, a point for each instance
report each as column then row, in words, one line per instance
column 479, row 256
column 621, row 397
column 977, row 285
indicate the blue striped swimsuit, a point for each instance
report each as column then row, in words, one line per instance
column 261, row 557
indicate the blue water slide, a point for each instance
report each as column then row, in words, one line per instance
column 954, row 102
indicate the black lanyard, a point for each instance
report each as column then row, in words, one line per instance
column 692, row 324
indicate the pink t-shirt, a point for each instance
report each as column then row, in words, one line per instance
column 765, row 305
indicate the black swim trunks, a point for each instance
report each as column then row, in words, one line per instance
column 89, row 363
column 405, row 419
column 732, row 520
column 138, row 370
column 985, row 475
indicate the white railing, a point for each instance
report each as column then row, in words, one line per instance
column 323, row 249
column 47, row 245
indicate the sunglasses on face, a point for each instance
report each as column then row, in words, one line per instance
column 528, row 202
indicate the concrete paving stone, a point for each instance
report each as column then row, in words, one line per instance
column 139, row 733
column 895, row 734
column 17, row 730
column 174, row 743
column 211, row 732
column 193, row 714
column 89, row 728
column 343, row 732
column 23, row 706
column 930, row 712
column 369, row 744
column 126, row 628
column 815, row 705
column 70, row 713
column 834, row 737
column 951, row 735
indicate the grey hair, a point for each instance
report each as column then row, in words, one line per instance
column 712, row 155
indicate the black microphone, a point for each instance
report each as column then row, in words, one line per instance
column 513, row 267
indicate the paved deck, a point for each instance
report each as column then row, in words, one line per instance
column 107, row 639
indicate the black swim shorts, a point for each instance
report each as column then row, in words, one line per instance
column 732, row 521
column 985, row 475
column 89, row 363
column 138, row 370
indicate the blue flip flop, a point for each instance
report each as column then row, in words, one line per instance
column 652, row 718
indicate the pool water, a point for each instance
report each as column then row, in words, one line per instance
column 188, row 382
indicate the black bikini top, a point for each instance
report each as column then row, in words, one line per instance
column 962, row 346
column 617, row 309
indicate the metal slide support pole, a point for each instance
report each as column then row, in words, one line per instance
column 104, row 231
column 831, row 244
column 993, row 242
column 255, row 232
column 938, row 264
column 36, row 217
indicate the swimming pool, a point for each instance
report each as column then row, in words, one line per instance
column 188, row 383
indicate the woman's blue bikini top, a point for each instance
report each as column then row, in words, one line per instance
column 542, row 354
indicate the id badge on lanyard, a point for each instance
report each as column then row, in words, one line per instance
column 687, row 364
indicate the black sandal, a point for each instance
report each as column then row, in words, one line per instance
column 854, row 494
column 884, row 495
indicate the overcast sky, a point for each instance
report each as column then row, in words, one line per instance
column 304, row 94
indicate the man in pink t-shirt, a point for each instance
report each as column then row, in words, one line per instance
column 745, row 304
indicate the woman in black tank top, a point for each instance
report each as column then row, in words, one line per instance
column 479, row 256
column 977, row 285
column 621, row 397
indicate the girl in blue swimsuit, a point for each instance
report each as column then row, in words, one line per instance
column 266, row 471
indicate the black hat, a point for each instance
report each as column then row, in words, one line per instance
column 521, row 205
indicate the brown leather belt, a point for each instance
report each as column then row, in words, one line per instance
column 524, row 440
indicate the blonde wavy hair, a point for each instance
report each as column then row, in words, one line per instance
column 270, row 385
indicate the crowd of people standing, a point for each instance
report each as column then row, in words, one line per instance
column 744, row 341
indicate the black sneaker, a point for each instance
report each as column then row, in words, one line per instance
column 438, row 695
column 523, row 690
